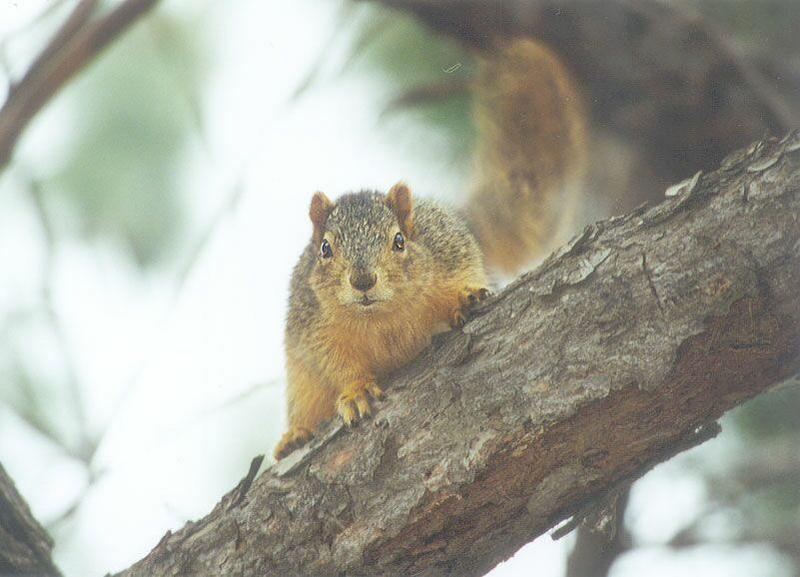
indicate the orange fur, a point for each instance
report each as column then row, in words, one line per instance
column 343, row 335
column 354, row 351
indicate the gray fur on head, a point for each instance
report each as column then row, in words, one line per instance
column 360, row 223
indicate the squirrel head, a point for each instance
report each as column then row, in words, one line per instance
column 366, row 257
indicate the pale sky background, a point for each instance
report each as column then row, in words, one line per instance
column 164, row 363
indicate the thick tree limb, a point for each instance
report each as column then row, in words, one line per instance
column 24, row 545
column 576, row 378
column 72, row 47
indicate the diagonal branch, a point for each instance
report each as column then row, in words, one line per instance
column 73, row 46
column 78, row 18
column 572, row 381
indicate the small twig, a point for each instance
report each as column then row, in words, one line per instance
column 244, row 485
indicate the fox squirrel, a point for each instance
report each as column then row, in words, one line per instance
column 383, row 273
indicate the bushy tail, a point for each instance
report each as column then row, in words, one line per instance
column 531, row 155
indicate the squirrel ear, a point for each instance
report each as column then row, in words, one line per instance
column 399, row 200
column 319, row 211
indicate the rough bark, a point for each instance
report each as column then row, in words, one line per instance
column 576, row 378
column 24, row 545
column 657, row 75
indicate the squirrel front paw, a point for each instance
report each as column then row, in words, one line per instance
column 353, row 404
column 467, row 298
column 292, row 439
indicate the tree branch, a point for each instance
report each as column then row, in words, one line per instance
column 576, row 378
column 24, row 545
column 72, row 47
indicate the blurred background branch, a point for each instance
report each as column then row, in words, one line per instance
column 79, row 40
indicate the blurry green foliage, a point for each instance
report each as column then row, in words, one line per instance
column 136, row 110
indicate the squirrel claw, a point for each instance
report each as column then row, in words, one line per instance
column 347, row 411
column 477, row 296
column 353, row 404
column 458, row 320
column 468, row 298
column 375, row 391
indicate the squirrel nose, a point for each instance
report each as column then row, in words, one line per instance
column 363, row 280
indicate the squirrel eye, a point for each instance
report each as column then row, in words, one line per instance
column 325, row 250
column 399, row 242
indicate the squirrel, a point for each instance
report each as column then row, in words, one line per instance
column 383, row 273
